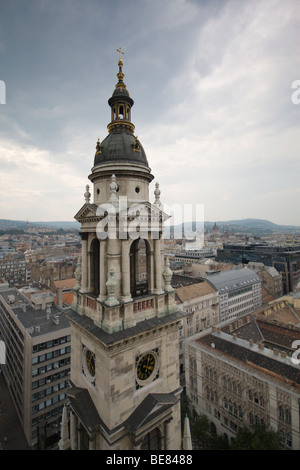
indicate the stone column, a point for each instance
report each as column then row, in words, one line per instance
column 84, row 263
column 168, row 434
column 92, row 442
column 157, row 267
column 151, row 275
column 102, row 295
column 126, row 296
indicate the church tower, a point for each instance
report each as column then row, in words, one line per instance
column 125, row 390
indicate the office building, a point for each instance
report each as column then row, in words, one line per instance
column 285, row 259
column 240, row 292
column 37, row 340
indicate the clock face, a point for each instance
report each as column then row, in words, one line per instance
column 90, row 362
column 146, row 366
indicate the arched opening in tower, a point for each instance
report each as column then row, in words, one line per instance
column 139, row 268
column 94, row 266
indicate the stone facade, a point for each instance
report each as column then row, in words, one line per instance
column 240, row 382
column 125, row 385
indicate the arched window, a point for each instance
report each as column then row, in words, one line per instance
column 94, row 266
column 139, row 268
column 121, row 112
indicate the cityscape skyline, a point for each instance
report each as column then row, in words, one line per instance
column 212, row 84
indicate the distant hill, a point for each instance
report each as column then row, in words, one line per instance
column 254, row 224
column 246, row 226
column 22, row 224
column 250, row 226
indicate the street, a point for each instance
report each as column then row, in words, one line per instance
column 11, row 433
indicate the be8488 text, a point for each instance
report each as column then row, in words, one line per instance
column 161, row 459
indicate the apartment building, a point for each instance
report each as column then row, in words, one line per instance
column 36, row 334
column 13, row 268
column 200, row 301
column 245, row 375
column 240, row 292
column 271, row 278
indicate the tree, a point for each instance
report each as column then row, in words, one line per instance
column 256, row 438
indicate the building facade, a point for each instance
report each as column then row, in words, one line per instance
column 14, row 269
column 271, row 281
column 125, row 385
column 200, row 302
column 37, row 362
column 285, row 259
column 240, row 292
column 238, row 382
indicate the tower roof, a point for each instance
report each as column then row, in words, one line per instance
column 120, row 145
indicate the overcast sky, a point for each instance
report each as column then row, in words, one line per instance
column 212, row 86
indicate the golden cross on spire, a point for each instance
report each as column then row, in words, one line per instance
column 120, row 51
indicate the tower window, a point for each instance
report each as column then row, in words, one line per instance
column 139, row 268
column 137, row 189
column 94, row 266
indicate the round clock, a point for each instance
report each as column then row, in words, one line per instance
column 90, row 362
column 146, row 366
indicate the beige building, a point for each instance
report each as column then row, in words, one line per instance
column 244, row 374
column 271, row 278
column 271, row 281
column 38, row 346
column 200, row 303
column 125, row 387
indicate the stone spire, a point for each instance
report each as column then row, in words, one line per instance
column 113, row 198
column 64, row 443
column 111, row 289
column 187, row 438
column 157, row 201
column 87, row 194
column 168, row 277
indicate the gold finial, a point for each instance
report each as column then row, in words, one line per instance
column 98, row 147
column 120, row 52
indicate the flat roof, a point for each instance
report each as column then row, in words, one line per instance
column 233, row 279
column 36, row 322
column 263, row 360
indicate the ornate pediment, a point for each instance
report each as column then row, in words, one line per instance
column 88, row 212
column 150, row 209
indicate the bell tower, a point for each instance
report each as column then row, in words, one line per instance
column 125, row 387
